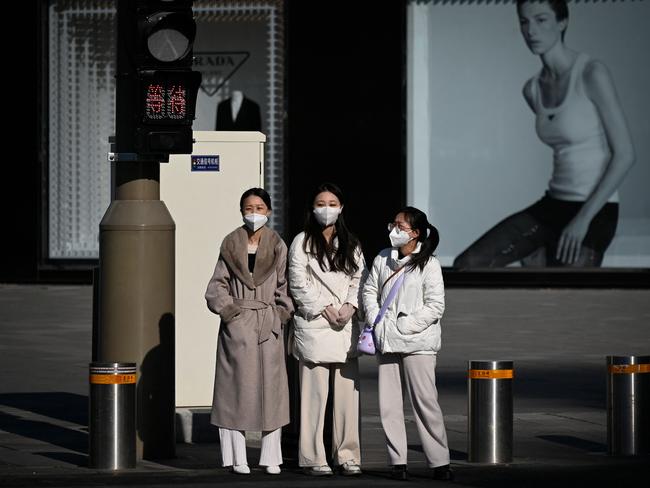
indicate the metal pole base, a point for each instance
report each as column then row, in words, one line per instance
column 490, row 411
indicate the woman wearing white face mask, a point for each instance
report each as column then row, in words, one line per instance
column 325, row 270
column 408, row 338
column 249, row 292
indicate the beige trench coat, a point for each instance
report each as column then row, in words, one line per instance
column 250, row 387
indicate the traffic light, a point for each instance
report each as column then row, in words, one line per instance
column 156, row 87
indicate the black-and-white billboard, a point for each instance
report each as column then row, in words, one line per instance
column 528, row 134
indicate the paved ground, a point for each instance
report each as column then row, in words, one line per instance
column 557, row 338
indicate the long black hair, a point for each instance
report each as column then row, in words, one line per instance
column 340, row 258
column 428, row 237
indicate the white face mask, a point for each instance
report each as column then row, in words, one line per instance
column 398, row 237
column 327, row 215
column 255, row 221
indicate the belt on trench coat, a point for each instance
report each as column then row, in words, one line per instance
column 266, row 320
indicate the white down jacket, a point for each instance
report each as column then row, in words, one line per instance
column 314, row 339
column 411, row 324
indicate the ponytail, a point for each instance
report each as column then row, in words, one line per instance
column 428, row 237
column 434, row 236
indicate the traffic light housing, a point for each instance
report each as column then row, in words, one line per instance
column 156, row 87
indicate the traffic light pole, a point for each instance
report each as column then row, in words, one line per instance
column 156, row 92
column 136, row 306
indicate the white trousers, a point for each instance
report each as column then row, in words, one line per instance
column 420, row 378
column 233, row 448
column 314, row 387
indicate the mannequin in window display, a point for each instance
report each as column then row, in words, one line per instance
column 577, row 114
column 239, row 113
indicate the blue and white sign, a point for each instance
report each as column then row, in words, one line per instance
column 205, row 163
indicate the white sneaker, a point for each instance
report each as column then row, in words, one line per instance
column 241, row 469
column 273, row 470
column 318, row 470
column 350, row 469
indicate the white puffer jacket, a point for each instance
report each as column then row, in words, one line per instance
column 411, row 324
column 314, row 339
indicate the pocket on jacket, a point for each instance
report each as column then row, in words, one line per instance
column 235, row 318
column 405, row 325
column 238, row 329
column 319, row 344
column 302, row 323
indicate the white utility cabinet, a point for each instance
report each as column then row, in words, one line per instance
column 204, row 202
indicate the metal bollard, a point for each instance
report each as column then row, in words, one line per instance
column 112, row 415
column 489, row 388
column 628, row 405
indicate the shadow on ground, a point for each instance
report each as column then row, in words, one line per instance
column 575, row 386
column 60, row 406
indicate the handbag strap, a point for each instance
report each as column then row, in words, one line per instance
column 389, row 278
column 391, row 295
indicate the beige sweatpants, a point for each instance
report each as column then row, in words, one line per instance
column 314, row 386
column 420, row 378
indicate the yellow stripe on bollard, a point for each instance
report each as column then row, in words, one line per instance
column 629, row 368
column 491, row 374
column 112, row 379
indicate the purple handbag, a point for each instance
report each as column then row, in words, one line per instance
column 366, row 344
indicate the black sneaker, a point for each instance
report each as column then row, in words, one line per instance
column 399, row 472
column 443, row 473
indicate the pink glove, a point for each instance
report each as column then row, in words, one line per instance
column 331, row 315
column 345, row 313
